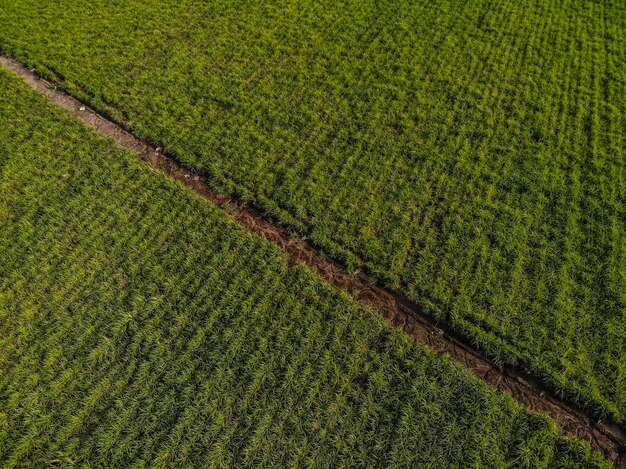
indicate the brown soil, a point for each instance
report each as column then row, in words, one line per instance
column 400, row 312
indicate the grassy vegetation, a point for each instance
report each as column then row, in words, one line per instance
column 469, row 153
column 139, row 325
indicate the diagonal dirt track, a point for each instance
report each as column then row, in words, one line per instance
column 400, row 312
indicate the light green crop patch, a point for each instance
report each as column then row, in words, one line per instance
column 470, row 154
column 140, row 326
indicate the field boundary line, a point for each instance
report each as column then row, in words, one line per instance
column 398, row 311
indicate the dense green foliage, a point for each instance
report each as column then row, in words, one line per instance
column 138, row 324
column 469, row 153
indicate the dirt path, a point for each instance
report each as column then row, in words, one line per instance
column 400, row 312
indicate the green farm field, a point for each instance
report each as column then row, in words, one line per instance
column 469, row 154
column 140, row 326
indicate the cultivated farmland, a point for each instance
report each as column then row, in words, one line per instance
column 140, row 325
column 470, row 154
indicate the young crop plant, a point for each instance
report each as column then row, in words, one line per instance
column 140, row 326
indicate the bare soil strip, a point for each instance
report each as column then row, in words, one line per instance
column 399, row 312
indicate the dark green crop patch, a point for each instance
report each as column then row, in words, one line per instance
column 470, row 153
column 140, row 326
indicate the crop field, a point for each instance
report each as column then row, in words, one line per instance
column 469, row 154
column 139, row 325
